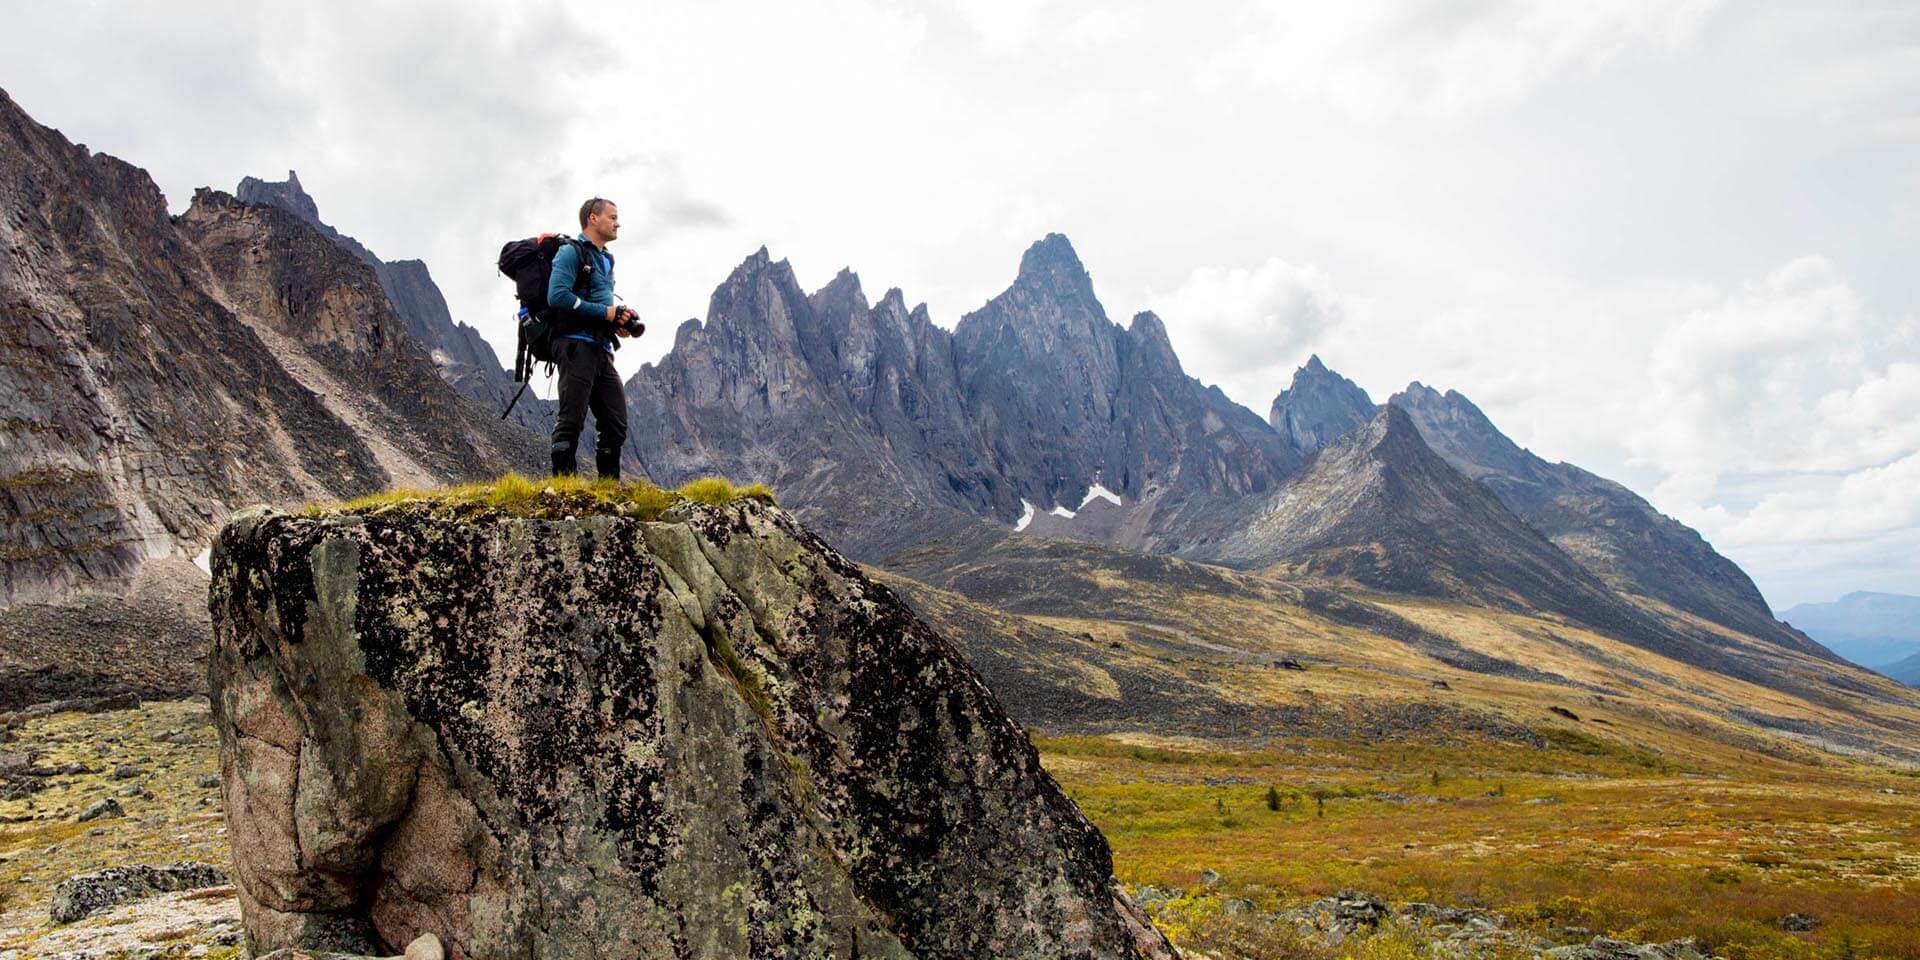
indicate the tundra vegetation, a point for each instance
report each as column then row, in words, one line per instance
column 1571, row 836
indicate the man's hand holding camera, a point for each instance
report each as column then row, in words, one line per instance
column 625, row 320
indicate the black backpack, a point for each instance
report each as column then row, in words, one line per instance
column 529, row 264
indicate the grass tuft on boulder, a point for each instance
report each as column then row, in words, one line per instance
column 520, row 496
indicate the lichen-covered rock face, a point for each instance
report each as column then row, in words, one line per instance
column 703, row 736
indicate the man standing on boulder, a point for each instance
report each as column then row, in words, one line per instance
column 585, row 336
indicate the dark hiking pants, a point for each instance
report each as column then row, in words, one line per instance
column 588, row 381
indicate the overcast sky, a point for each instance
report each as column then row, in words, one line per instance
column 1673, row 242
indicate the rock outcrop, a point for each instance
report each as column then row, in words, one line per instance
column 694, row 731
column 88, row 894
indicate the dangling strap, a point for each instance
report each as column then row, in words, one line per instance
column 516, row 399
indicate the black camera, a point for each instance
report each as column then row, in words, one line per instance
column 625, row 319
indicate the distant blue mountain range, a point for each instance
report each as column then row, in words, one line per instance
column 1877, row 630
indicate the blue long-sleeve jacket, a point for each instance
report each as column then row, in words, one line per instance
column 583, row 315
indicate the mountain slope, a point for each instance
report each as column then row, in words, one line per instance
column 463, row 356
column 1604, row 526
column 1381, row 509
column 157, row 374
column 1378, row 507
column 1364, row 663
column 1870, row 629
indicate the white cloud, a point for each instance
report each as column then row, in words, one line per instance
column 1099, row 27
column 1863, row 504
column 1792, row 374
column 1376, row 60
column 1003, row 26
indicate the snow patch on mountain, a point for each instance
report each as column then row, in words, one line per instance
column 1099, row 492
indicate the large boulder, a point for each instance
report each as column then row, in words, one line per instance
column 667, row 730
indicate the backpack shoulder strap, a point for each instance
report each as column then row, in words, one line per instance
column 588, row 262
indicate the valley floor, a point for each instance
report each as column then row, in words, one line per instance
column 1565, row 841
column 1569, row 841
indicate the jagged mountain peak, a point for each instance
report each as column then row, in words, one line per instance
column 683, row 334
column 1146, row 323
column 758, row 267
column 755, row 262
column 1314, row 369
column 1462, row 432
column 1054, row 249
column 1318, row 407
column 1051, row 265
column 1149, row 334
column 1417, row 392
column 286, row 194
column 843, row 288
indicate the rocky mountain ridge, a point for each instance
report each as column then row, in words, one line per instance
column 883, row 428
column 462, row 355
column 1601, row 524
column 160, row 371
column 1039, row 414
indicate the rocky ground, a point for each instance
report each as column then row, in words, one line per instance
column 150, row 641
column 83, row 792
column 1354, row 923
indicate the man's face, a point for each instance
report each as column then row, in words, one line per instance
column 606, row 223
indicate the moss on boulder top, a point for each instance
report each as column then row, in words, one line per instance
column 574, row 720
column 515, row 495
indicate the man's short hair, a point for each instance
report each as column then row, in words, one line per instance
column 592, row 207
